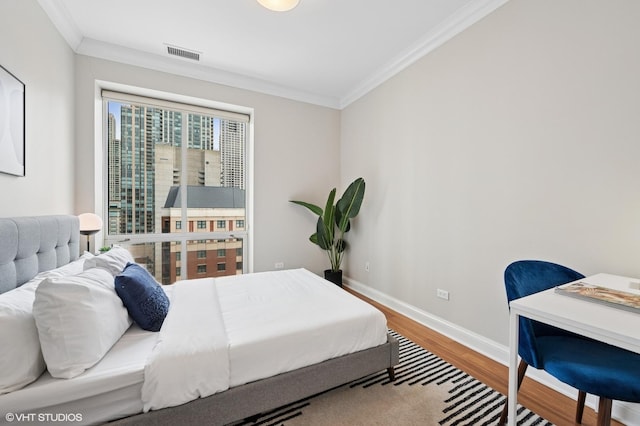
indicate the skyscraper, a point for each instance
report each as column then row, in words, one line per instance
column 115, row 173
column 232, row 136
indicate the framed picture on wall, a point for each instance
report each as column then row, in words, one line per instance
column 12, row 112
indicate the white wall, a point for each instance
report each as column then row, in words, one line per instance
column 33, row 50
column 296, row 150
column 519, row 138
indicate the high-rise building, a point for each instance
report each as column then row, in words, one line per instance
column 138, row 135
column 232, row 136
column 115, row 173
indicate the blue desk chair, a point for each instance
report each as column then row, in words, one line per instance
column 590, row 366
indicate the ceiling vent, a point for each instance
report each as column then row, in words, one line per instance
column 183, row 53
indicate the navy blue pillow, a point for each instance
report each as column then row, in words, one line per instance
column 143, row 297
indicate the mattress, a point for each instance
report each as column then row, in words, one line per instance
column 275, row 321
column 108, row 390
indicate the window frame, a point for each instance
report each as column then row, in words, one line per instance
column 101, row 172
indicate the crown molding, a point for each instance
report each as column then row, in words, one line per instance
column 187, row 68
column 458, row 22
column 61, row 19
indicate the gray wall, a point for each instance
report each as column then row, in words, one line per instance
column 519, row 138
column 32, row 49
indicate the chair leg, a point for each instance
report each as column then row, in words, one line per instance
column 522, row 368
column 580, row 406
column 604, row 411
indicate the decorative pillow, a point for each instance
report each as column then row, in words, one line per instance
column 79, row 318
column 144, row 298
column 113, row 261
column 21, row 359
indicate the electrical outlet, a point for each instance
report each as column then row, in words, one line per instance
column 366, row 266
column 442, row 294
column 279, row 265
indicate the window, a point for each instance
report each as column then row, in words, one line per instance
column 222, row 266
column 240, row 223
column 222, row 252
column 174, row 163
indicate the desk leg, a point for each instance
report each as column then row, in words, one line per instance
column 513, row 367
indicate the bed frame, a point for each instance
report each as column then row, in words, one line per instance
column 29, row 245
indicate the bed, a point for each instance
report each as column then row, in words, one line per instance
column 110, row 390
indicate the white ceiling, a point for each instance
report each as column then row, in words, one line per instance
column 327, row 52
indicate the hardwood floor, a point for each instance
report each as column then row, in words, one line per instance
column 546, row 402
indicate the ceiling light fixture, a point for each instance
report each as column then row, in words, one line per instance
column 279, row 5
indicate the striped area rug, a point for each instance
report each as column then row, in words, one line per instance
column 427, row 391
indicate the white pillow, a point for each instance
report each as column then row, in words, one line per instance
column 113, row 261
column 79, row 318
column 20, row 358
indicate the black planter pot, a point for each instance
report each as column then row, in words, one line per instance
column 334, row 276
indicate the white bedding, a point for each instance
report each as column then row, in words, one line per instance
column 191, row 358
column 274, row 322
column 290, row 319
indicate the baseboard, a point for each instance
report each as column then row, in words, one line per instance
column 624, row 412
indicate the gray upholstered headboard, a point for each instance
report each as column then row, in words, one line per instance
column 29, row 245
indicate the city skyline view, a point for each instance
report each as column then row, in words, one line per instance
column 115, row 108
column 147, row 164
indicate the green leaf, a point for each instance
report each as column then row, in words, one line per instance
column 350, row 202
column 315, row 209
column 324, row 235
column 339, row 219
column 329, row 211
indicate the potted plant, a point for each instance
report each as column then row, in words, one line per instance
column 333, row 222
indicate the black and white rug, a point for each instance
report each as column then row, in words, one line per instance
column 427, row 391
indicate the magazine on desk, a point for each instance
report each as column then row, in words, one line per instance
column 607, row 296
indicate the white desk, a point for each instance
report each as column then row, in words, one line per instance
column 608, row 324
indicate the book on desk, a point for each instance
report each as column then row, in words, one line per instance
column 608, row 296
